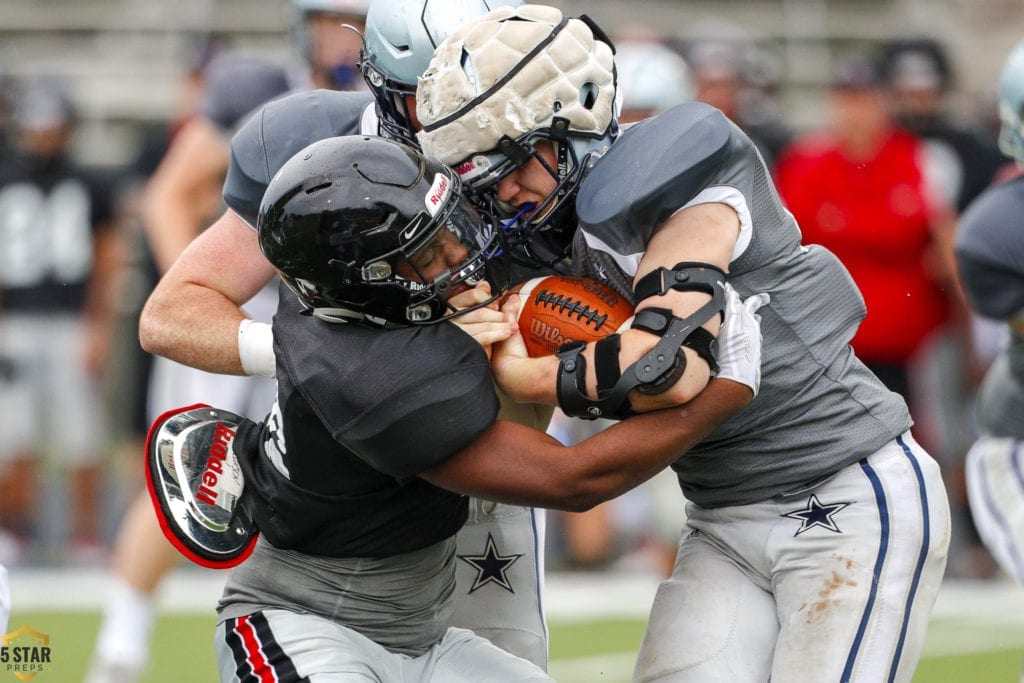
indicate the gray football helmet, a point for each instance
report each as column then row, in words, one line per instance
column 400, row 39
column 1011, row 105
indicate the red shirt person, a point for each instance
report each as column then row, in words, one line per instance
column 861, row 189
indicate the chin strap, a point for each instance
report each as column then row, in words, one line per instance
column 661, row 367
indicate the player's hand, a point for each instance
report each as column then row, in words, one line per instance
column 487, row 324
column 739, row 340
column 522, row 378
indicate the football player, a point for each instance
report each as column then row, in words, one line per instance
column 387, row 418
column 194, row 315
column 817, row 527
column 990, row 260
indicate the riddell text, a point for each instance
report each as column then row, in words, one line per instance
column 222, row 437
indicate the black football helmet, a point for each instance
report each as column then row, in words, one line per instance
column 367, row 229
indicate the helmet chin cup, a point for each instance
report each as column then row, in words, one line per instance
column 197, row 485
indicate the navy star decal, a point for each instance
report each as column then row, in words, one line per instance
column 816, row 514
column 491, row 567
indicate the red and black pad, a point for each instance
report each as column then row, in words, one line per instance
column 197, row 486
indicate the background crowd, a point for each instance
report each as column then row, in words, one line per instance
column 878, row 173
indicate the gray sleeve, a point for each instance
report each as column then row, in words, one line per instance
column 670, row 158
column 278, row 130
column 990, row 251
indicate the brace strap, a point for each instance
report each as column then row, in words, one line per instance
column 660, row 368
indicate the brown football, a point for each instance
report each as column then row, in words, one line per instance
column 559, row 308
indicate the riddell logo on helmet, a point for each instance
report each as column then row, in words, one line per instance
column 438, row 193
column 222, row 436
column 472, row 165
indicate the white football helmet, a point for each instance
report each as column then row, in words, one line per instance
column 502, row 82
column 400, row 39
column 1011, row 105
column 652, row 78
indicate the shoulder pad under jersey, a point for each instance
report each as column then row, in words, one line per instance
column 990, row 250
column 236, row 85
column 402, row 400
column 277, row 131
column 654, row 168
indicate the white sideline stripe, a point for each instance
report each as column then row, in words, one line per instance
column 976, row 616
column 568, row 597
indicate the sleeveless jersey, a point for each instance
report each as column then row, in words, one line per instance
column 990, row 258
column 819, row 408
column 347, row 508
column 360, row 413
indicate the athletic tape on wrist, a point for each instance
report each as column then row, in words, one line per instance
column 256, row 348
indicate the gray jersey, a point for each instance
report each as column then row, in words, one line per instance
column 402, row 602
column 819, row 408
column 990, row 258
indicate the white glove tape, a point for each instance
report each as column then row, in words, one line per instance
column 256, row 348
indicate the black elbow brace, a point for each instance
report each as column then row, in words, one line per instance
column 660, row 368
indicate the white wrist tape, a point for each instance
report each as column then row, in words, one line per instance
column 256, row 348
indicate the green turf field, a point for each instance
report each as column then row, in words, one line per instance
column 600, row 650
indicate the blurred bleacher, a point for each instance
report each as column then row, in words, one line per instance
column 123, row 58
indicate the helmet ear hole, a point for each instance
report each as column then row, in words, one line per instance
column 588, row 95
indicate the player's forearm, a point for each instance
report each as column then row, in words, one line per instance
column 521, row 466
column 618, row 459
column 193, row 325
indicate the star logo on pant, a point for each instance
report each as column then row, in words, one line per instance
column 491, row 567
column 816, row 514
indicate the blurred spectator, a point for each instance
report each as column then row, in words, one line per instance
column 739, row 79
column 328, row 49
column 57, row 255
column 919, row 77
column 860, row 188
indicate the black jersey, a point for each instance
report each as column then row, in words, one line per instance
column 360, row 413
column 51, row 212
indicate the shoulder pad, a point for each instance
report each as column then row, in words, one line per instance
column 653, row 169
column 277, row 131
column 236, row 86
column 990, row 251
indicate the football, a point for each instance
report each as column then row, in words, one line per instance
column 559, row 308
